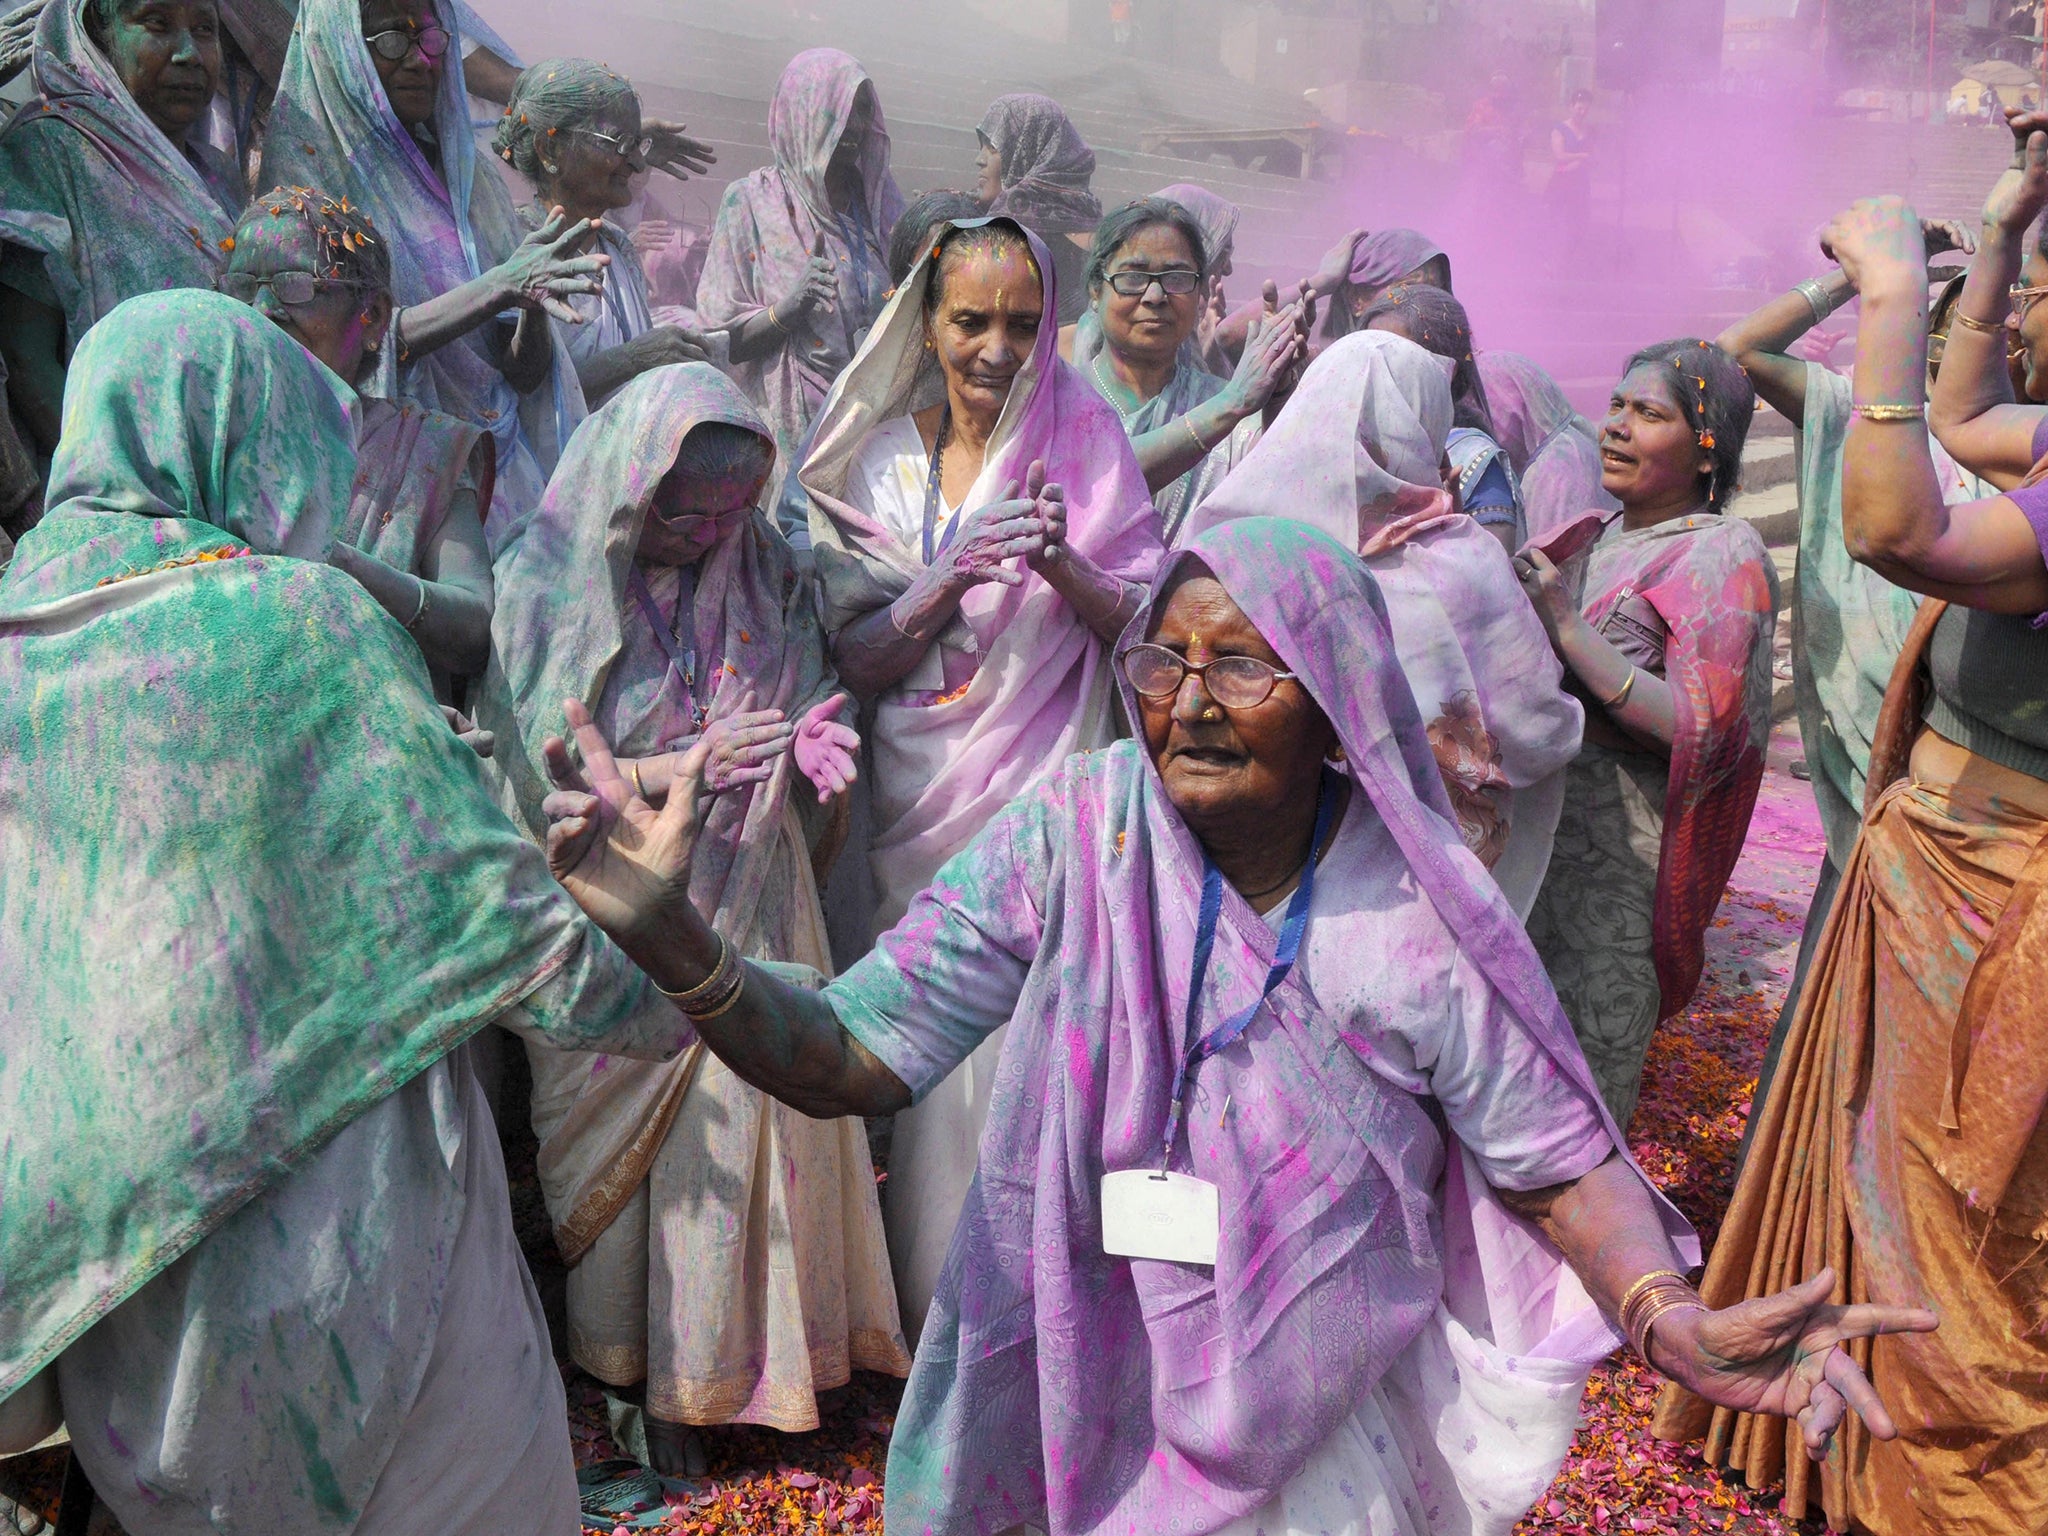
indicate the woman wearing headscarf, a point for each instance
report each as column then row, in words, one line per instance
column 1902, row 1143
column 1380, row 261
column 979, row 526
column 1553, row 450
column 1297, row 1208
column 372, row 109
column 1034, row 166
column 108, row 186
column 1480, row 469
column 233, row 1058
column 1357, row 453
column 413, row 533
column 1188, row 427
column 573, row 130
column 726, row 1253
column 1667, row 639
column 798, row 266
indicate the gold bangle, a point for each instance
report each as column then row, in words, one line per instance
column 711, row 986
column 1628, row 1297
column 725, row 1004
column 1628, row 686
column 1891, row 411
column 1690, row 1302
column 1188, row 421
column 1984, row 327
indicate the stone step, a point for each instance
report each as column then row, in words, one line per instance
column 1773, row 512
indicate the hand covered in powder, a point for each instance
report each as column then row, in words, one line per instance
column 626, row 864
column 480, row 741
column 550, row 265
column 675, row 151
column 989, row 539
column 1781, row 1355
column 743, row 747
column 1050, row 505
column 1335, row 270
column 1879, row 243
column 1544, row 585
column 1275, row 345
column 2018, row 197
column 824, row 749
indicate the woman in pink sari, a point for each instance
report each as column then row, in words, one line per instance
column 1670, row 648
column 1395, row 1217
column 1358, row 452
column 799, row 260
column 980, row 525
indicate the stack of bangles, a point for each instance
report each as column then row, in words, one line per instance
column 1658, row 1293
column 716, row 993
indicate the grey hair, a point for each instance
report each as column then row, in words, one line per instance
column 722, row 450
column 554, row 95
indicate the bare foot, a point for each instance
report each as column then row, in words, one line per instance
column 19, row 1519
column 675, row 1450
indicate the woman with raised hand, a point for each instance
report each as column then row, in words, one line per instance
column 1358, row 453
column 1901, row 1143
column 1297, row 1208
column 1666, row 638
column 413, row 534
column 234, row 1052
column 980, row 526
column 798, row 266
column 726, row 1256
column 372, row 110
column 1386, row 258
column 1146, row 274
column 108, row 187
column 573, row 129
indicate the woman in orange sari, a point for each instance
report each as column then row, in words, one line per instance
column 1900, row 1145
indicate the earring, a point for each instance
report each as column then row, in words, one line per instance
column 1336, row 757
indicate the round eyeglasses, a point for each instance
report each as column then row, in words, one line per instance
column 1178, row 281
column 2025, row 298
column 626, row 149
column 1235, row 682
column 396, row 43
column 286, row 287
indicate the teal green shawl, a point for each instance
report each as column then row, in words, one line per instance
column 250, row 882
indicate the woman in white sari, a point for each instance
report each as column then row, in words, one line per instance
column 975, row 623
column 1359, row 453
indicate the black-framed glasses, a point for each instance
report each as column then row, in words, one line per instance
column 396, row 42
column 626, row 149
column 1131, row 284
column 1235, row 682
column 291, row 287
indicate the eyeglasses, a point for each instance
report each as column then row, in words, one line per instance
column 395, row 44
column 692, row 522
column 1235, row 682
column 1178, row 281
column 2025, row 298
column 626, row 149
column 292, row 288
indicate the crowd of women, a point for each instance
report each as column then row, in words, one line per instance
column 1227, row 794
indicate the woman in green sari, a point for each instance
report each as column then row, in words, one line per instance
column 257, row 900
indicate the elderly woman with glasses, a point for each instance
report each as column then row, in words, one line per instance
column 573, row 129
column 1297, row 1208
column 413, row 535
column 727, row 1257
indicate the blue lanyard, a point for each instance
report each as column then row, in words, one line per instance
column 931, row 489
column 1292, row 930
column 682, row 659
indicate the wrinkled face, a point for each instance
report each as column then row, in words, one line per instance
column 2033, row 328
column 988, row 172
column 413, row 81
column 1649, row 452
column 340, row 324
column 690, row 515
column 167, row 53
column 1225, row 765
column 985, row 324
column 1151, row 326
column 583, row 167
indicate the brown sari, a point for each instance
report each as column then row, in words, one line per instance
column 1902, row 1144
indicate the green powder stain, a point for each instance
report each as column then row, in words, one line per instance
column 326, row 1491
column 348, row 1375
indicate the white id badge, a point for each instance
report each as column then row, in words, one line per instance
column 1150, row 1215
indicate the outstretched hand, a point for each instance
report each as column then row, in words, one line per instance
column 674, row 151
column 1781, row 1355
column 625, row 864
column 551, row 265
column 824, row 748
